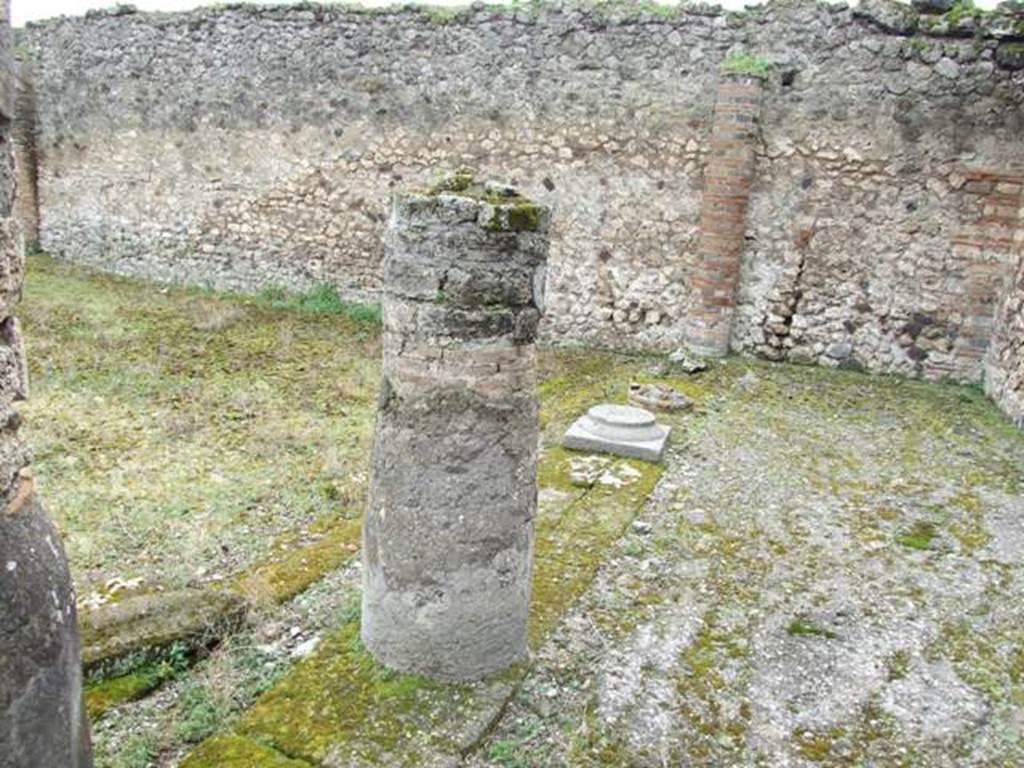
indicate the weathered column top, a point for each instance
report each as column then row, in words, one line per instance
column 464, row 279
column 461, row 198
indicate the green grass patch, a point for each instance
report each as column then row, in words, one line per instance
column 746, row 64
column 323, row 299
column 177, row 431
column 800, row 627
column 919, row 536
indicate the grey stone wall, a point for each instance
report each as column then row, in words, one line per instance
column 246, row 147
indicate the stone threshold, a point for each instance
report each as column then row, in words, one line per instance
column 147, row 626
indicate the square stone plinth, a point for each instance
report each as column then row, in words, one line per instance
column 621, row 430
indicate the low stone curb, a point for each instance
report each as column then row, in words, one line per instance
column 148, row 624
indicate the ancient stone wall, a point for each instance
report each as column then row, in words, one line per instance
column 245, row 147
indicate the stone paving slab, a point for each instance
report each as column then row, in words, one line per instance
column 156, row 620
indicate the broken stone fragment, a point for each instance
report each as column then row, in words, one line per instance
column 660, row 397
column 621, row 430
column 156, row 620
column 686, row 362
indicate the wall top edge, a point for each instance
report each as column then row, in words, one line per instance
column 889, row 16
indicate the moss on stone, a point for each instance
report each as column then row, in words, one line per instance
column 292, row 569
column 967, row 525
column 131, row 677
column 569, row 552
column 814, row 747
column 342, row 702
column 518, row 216
column 341, row 699
column 460, row 181
column 919, row 536
column 801, row 627
column 232, row 751
column 104, row 696
column 152, row 622
column 512, row 212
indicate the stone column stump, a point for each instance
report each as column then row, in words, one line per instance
column 42, row 717
column 448, row 535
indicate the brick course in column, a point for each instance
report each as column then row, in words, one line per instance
column 448, row 533
column 727, row 182
column 987, row 242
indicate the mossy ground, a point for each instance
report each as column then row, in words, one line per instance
column 177, row 432
column 833, row 576
column 342, row 707
column 165, row 467
column 833, row 543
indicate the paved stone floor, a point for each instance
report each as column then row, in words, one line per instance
column 829, row 573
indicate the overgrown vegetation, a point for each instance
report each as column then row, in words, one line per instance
column 134, row 676
column 323, row 299
column 177, row 431
column 746, row 64
column 138, row 390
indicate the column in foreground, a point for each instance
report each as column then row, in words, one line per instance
column 448, row 534
column 42, row 717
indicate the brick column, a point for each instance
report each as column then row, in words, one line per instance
column 448, row 534
column 1004, row 362
column 728, row 178
column 986, row 246
column 25, row 157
